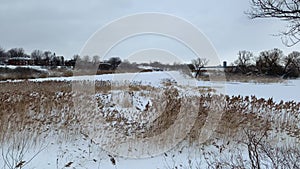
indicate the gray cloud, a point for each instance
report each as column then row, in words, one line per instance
column 64, row 26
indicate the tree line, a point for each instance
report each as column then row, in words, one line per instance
column 270, row 62
column 48, row 58
column 38, row 57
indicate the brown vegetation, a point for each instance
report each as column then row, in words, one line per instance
column 41, row 110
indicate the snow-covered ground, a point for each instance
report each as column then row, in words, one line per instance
column 287, row 90
column 40, row 68
column 83, row 154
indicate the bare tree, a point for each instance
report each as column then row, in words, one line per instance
column 262, row 153
column 269, row 62
column 37, row 54
column 199, row 63
column 292, row 64
column 16, row 52
column 286, row 10
column 2, row 51
column 19, row 150
column 244, row 60
column 3, row 55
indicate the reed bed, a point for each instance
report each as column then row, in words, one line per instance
column 39, row 111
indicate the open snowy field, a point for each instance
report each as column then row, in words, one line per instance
column 147, row 120
column 286, row 90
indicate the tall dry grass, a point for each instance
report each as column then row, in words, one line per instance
column 44, row 106
column 45, row 110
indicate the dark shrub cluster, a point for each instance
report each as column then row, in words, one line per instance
column 271, row 63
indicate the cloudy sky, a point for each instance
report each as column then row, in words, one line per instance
column 64, row 26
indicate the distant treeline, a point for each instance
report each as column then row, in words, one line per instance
column 270, row 62
column 17, row 56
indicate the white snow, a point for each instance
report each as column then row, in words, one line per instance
column 78, row 152
column 31, row 67
column 153, row 78
column 287, row 90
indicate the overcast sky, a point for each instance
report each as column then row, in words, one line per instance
column 64, row 26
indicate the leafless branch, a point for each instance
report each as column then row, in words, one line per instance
column 286, row 10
